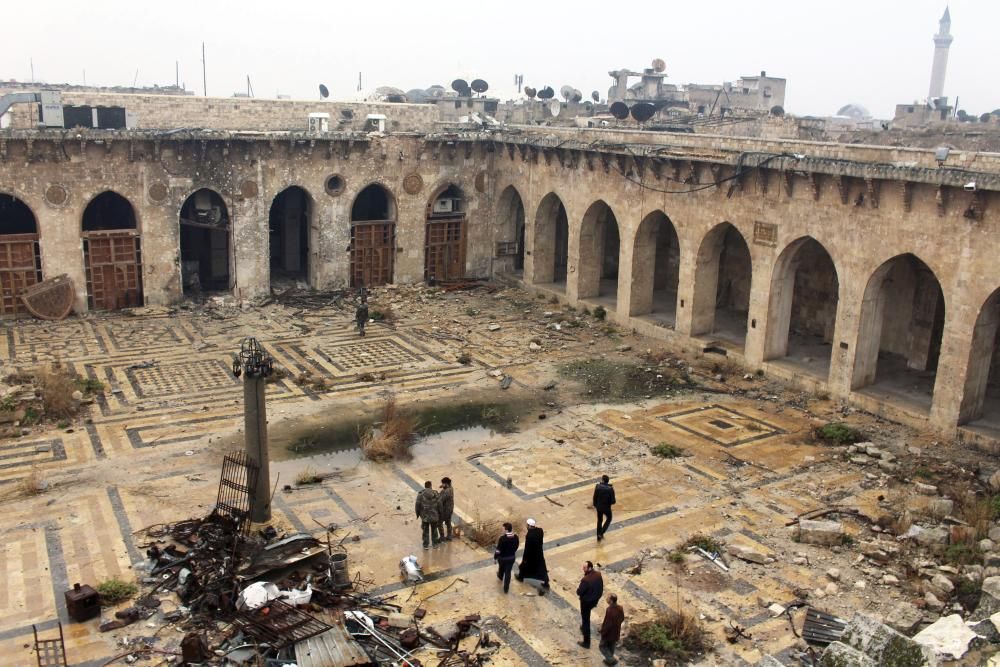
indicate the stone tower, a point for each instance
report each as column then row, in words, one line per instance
column 942, row 41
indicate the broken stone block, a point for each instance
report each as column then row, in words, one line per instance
column 776, row 609
column 882, row 644
column 747, row 554
column 987, row 544
column 932, row 602
column 833, row 573
column 838, row 654
column 770, row 661
column 534, row 347
column 827, row 533
column 926, row 489
column 995, row 481
column 940, row 507
column 927, row 537
column 995, row 533
column 890, row 580
column 962, row 534
column 940, row 586
column 948, row 637
column 904, row 617
column 987, row 629
column 989, row 601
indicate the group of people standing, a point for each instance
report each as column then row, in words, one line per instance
column 435, row 510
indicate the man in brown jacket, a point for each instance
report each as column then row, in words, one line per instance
column 611, row 630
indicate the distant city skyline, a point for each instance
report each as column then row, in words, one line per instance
column 873, row 54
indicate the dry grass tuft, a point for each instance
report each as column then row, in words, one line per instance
column 486, row 530
column 677, row 636
column 33, row 484
column 390, row 439
column 56, row 385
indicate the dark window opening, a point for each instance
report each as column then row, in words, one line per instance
column 289, row 235
column 204, row 224
column 16, row 217
column 372, row 203
column 108, row 211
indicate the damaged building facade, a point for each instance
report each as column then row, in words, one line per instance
column 860, row 271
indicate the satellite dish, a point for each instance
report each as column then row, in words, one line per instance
column 479, row 85
column 619, row 110
column 596, row 96
column 546, row 93
column 643, row 111
column 577, row 96
column 324, row 92
column 530, row 92
column 460, row 86
column 659, row 65
column 555, row 107
column 566, row 92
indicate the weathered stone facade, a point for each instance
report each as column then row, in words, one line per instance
column 863, row 271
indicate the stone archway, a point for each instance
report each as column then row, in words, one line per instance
column 655, row 269
column 112, row 253
column 802, row 311
column 373, row 237
column 20, row 254
column 550, row 251
column 510, row 223
column 206, row 255
column 599, row 256
column 289, row 225
column 899, row 337
column 981, row 394
column 444, row 245
column 722, row 285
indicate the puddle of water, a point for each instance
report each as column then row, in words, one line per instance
column 439, row 424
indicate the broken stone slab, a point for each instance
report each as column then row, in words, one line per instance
column 995, row 481
column 770, row 661
column 940, row 586
column 838, row 654
column 494, row 327
column 989, row 601
column 748, row 554
column 884, row 645
column 948, row 637
column 927, row 536
column 995, row 533
column 827, row 533
column 904, row 618
column 932, row 602
column 987, row 629
column 940, row 507
column 926, row 489
column 776, row 610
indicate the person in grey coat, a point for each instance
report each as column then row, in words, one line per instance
column 428, row 509
column 446, row 496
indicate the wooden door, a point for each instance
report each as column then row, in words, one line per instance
column 373, row 249
column 113, row 263
column 20, row 267
column 444, row 251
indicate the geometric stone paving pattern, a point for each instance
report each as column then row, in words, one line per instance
column 84, row 533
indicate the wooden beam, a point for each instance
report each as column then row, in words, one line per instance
column 873, row 191
column 843, row 188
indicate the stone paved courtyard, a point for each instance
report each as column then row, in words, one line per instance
column 150, row 450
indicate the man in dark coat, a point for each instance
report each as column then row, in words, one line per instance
column 447, row 498
column 589, row 591
column 506, row 554
column 611, row 630
column 428, row 511
column 604, row 498
column 533, row 558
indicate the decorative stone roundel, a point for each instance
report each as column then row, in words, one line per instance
column 334, row 185
column 248, row 189
column 413, row 183
column 158, row 192
column 56, row 195
column 481, row 182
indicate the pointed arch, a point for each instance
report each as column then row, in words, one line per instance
column 599, row 253
column 112, row 253
column 373, row 236
column 981, row 394
column 510, row 224
column 723, row 273
column 550, row 242
column 205, row 247
column 445, row 234
column 655, row 268
column 21, row 253
column 289, row 235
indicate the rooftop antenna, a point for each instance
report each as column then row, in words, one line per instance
column 136, row 77
column 31, row 61
column 177, row 74
column 85, row 76
column 204, row 72
column 249, row 87
column 359, row 81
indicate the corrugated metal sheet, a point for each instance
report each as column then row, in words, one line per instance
column 333, row 648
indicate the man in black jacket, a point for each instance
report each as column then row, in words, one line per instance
column 604, row 498
column 506, row 554
column 589, row 591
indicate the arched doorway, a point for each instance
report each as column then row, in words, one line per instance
column 981, row 396
column 205, row 254
column 20, row 254
column 288, row 223
column 510, row 219
column 551, row 243
column 373, row 237
column 444, row 247
column 112, row 253
column 600, row 247
column 722, row 285
column 899, row 338
column 655, row 269
column 802, row 311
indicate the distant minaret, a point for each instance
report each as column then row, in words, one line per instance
column 942, row 41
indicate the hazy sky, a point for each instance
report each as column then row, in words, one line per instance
column 874, row 52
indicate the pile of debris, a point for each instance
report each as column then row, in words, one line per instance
column 243, row 596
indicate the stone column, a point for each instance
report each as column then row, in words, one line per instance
column 980, row 360
column 926, row 301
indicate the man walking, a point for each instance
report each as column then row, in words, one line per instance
column 611, row 630
column 506, row 554
column 532, row 566
column 428, row 511
column 361, row 315
column 604, row 498
column 447, row 498
column 589, row 591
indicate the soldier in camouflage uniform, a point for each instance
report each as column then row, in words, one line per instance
column 428, row 509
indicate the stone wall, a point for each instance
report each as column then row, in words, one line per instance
column 159, row 112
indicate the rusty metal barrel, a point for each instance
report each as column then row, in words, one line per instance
column 338, row 571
